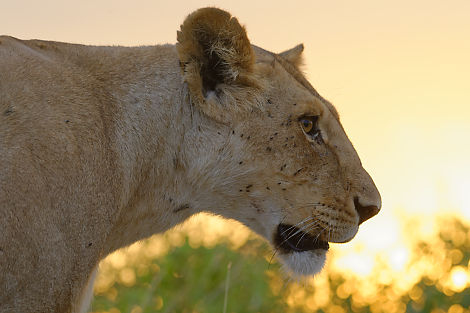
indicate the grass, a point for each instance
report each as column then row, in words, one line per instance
column 196, row 280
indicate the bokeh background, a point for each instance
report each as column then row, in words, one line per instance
column 398, row 73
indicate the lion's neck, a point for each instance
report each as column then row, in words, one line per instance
column 153, row 111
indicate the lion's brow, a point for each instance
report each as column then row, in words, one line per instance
column 289, row 68
column 304, row 82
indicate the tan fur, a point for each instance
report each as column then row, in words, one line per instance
column 103, row 146
column 294, row 55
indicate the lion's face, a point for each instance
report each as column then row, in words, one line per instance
column 282, row 163
column 310, row 187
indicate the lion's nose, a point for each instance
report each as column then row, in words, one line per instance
column 365, row 212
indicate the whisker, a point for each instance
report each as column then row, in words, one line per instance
column 298, row 224
column 311, row 224
column 306, row 219
column 272, row 257
column 302, row 229
column 293, row 233
column 306, row 225
column 303, row 236
column 318, row 235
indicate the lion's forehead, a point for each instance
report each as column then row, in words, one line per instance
column 266, row 57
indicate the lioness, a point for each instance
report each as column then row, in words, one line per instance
column 104, row 146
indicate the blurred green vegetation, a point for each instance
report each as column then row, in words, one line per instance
column 190, row 276
column 193, row 280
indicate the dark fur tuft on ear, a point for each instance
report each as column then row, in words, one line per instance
column 213, row 49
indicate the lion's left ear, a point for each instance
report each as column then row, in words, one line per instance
column 294, row 55
column 213, row 49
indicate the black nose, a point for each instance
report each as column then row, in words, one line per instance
column 365, row 212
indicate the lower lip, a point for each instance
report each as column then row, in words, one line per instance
column 322, row 246
column 287, row 235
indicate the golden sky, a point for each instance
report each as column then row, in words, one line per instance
column 397, row 71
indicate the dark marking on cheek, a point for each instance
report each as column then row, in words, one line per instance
column 258, row 209
column 8, row 111
column 298, row 171
column 181, row 208
column 289, row 120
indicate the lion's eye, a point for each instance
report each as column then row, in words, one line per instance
column 309, row 125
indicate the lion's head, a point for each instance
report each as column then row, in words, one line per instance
column 269, row 151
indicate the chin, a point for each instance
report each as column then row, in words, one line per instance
column 302, row 254
column 305, row 263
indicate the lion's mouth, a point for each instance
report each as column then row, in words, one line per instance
column 289, row 238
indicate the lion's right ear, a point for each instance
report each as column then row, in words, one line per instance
column 213, row 49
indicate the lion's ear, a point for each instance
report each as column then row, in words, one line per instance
column 294, row 55
column 213, row 49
